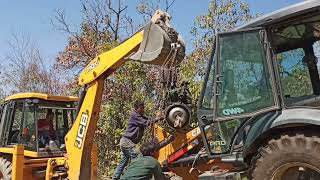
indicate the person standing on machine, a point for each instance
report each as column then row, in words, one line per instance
column 132, row 136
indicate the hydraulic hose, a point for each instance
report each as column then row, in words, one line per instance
column 82, row 94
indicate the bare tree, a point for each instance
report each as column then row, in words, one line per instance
column 103, row 25
column 148, row 7
column 25, row 70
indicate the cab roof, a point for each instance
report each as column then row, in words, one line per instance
column 47, row 97
column 278, row 16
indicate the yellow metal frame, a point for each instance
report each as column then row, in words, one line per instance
column 51, row 164
column 47, row 97
column 10, row 150
column 22, row 165
column 181, row 140
column 79, row 152
column 80, row 137
column 109, row 61
column 18, row 162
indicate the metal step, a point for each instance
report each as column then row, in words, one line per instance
column 220, row 176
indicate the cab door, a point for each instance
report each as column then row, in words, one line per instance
column 244, row 76
column 244, row 86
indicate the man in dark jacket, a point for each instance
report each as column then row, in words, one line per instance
column 132, row 136
column 145, row 166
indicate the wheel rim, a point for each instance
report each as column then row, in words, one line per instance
column 296, row 171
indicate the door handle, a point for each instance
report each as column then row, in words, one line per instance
column 218, row 87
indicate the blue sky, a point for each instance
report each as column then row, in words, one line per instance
column 32, row 17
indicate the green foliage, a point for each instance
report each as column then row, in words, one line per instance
column 294, row 74
column 220, row 16
column 297, row 83
column 295, row 79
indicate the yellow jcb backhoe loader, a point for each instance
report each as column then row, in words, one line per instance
column 23, row 151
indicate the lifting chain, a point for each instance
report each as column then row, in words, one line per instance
column 168, row 79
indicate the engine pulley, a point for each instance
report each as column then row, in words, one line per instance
column 177, row 115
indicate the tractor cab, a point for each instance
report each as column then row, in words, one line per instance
column 37, row 121
column 266, row 69
column 261, row 98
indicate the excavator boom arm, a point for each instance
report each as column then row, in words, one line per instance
column 152, row 45
column 109, row 61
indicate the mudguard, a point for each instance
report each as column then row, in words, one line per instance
column 264, row 124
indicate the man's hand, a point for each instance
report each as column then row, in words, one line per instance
column 158, row 119
column 159, row 114
column 169, row 175
column 153, row 121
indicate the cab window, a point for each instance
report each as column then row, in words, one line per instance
column 28, row 132
column 297, row 51
column 54, row 122
column 245, row 84
column 16, row 125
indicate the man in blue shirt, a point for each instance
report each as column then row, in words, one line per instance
column 132, row 136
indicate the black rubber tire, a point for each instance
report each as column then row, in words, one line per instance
column 5, row 169
column 286, row 149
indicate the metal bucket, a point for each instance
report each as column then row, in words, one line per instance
column 161, row 45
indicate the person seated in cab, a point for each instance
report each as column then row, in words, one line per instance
column 46, row 131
